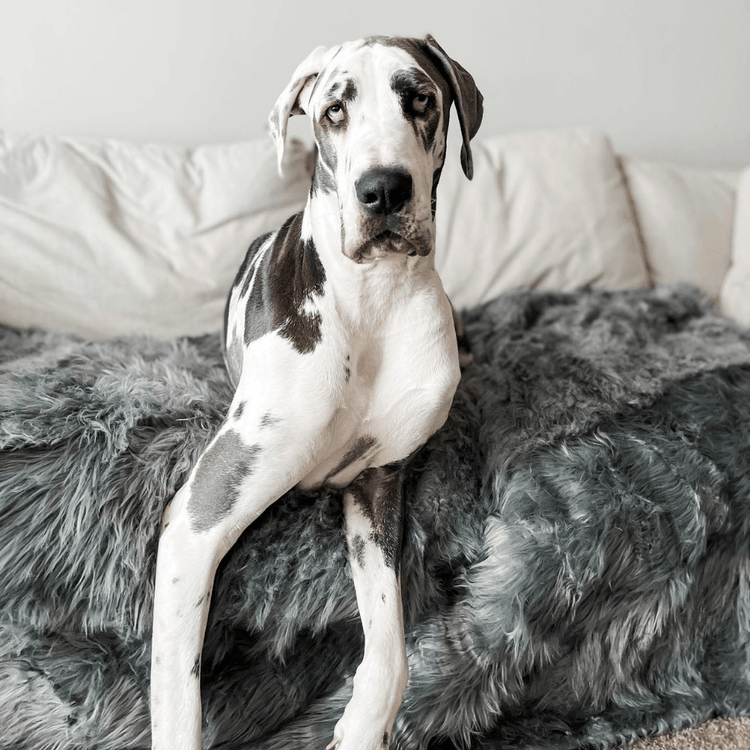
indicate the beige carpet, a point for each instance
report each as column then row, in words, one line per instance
column 719, row 734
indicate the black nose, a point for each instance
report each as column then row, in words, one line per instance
column 384, row 190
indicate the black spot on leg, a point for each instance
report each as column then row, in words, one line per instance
column 239, row 410
column 196, row 670
column 216, row 485
column 358, row 550
column 268, row 420
column 386, row 740
column 378, row 492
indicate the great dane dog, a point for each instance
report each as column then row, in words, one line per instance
column 340, row 343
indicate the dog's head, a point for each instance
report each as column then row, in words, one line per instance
column 380, row 109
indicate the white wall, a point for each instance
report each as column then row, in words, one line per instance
column 667, row 79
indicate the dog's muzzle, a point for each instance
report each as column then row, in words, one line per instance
column 383, row 194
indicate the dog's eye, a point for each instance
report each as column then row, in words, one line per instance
column 335, row 113
column 421, row 103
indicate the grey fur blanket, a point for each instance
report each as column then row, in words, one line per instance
column 577, row 545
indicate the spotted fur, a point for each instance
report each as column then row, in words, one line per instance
column 340, row 343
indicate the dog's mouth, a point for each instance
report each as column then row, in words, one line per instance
column 388, row 243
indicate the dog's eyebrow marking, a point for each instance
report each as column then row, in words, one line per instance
column 411, row 81
column 320, row 76
column 218, row 478
column 345, row 90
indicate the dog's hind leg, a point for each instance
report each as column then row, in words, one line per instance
column 374, row 516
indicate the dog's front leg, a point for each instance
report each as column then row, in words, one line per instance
column 374, row 517
column 242, row 472
column 185, row 568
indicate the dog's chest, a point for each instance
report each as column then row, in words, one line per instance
column 400, row 371
column 370, row 387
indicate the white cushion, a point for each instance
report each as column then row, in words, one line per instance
column 105, row 238
column 735, row 292
column 550, row 208
column 685, row 217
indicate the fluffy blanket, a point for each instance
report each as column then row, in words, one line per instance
column 577, row 545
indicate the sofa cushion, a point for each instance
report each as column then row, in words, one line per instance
column 104, row 238
column 685, row 218
column 735, row 292
column 550, row 208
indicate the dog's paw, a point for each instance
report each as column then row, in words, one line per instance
column 356, row 730
column 374, row 743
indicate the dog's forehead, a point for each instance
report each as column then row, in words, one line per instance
column 366, row 53
column 366, row 60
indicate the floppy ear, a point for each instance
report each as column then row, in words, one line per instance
column 294, row 97
column 467, row 98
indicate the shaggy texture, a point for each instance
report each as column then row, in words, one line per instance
column 577, row 545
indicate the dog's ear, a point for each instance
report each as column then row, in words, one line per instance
column 466, row 96
column 294, row 98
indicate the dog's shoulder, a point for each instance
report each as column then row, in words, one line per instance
column 280, row 275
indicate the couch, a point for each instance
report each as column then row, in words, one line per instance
column 105, row 239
